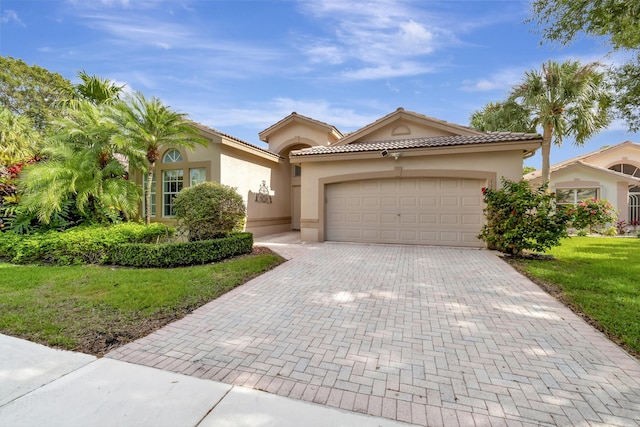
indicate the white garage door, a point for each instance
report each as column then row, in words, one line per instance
column 425, row 211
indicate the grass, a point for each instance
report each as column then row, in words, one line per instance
column 94, row 309
column 597, row 277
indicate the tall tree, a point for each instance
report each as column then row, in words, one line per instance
column 32, row 91
column 564, row 100
column 618, row 22
column 149, row 125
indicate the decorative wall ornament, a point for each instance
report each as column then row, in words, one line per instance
column 263, row 196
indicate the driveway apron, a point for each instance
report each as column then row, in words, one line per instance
column 426, row 335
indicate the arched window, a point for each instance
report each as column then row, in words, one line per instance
column 628, row 169
column 172, row 156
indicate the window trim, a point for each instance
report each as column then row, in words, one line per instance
column 172, row 194
column 575, row 190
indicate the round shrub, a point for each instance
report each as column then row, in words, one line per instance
column 209, row 210
column 520, row 218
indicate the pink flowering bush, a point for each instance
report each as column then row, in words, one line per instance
column 592, row 214
column 520, row 218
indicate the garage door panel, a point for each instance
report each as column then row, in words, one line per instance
column 472, row 220
column 428, row 219
column 449, row 219
column 371, row 202
column 408, row 201
column 449, row 184
column 427, row 201
column 432, row 211
column 410, row 219
column 389, row 218
column 371, row 218
column 448, row 201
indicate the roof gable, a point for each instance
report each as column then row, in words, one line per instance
column 299, row 119
column 580, row 164
column 402, row 125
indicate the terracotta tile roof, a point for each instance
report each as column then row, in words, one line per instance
column 578, row 159
column 425, row 142
column 537, row 175
column 233, row 138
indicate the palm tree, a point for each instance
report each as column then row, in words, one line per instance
column 566, row 100
column 148, row 125
column 98, row 90
column 83, row 164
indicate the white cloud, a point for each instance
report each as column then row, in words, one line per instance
column 11, row 16
column 388, row 70
column 377, row 39
column 263, row 115
column 502, row 80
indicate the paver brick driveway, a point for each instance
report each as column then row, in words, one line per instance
column 426, row 335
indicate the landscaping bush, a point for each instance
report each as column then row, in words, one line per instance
column 168, row 255
column 209, row 210
column 80, row 245
column 519, row 218
column 592, row 214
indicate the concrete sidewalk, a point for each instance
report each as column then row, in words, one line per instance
column 41, row 386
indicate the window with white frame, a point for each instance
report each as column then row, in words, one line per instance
column 197, row 176
column 172, row 183
column 153, row 194
column 571, row 196
column 172, row 156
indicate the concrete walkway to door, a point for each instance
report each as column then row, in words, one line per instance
column 426, row 335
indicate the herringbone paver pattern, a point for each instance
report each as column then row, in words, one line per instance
column 430, row 336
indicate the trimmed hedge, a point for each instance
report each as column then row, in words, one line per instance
column 168, row 255
column 80, row 245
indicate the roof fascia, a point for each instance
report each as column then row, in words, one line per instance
column 526, row 147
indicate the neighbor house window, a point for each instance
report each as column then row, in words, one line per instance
column 153, row 194
column 571, row 196
column 197, row 176
column 171, row 185
column 297, row 170
column 172, row 156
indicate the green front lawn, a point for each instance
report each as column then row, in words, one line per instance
column 599, row 277
column 93, row 309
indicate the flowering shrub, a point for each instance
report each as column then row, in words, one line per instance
column 592, row 213
column 520, row 218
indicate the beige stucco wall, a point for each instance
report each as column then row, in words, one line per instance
column 296, row 134
column 490, row 167
column 583, row 177
column 399, row 128
column 629, row 154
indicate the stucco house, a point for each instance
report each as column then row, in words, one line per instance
column 405, row 178
column 611, row 173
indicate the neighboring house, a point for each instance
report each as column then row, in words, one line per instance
column 405, row 178
column 611, row 173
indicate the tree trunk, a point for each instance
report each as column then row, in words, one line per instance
column 546, row 151
column 147, row 194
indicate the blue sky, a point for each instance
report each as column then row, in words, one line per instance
column 241, row 65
